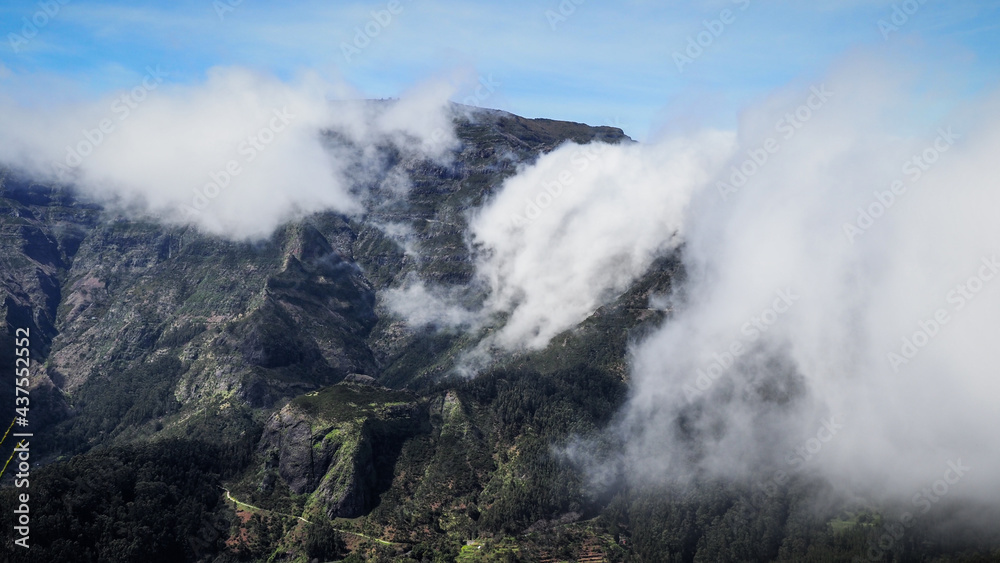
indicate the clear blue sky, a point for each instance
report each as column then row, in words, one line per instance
column 599, row 62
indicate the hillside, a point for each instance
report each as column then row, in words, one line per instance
column 199, row 399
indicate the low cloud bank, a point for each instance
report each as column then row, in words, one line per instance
column 236, row 155
column 841, row 305
column 841, row 299
column 574, row 230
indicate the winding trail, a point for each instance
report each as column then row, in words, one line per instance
column 259, row 509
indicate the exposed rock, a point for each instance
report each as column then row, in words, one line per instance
column 329, row 443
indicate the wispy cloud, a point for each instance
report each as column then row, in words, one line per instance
column 235, row 155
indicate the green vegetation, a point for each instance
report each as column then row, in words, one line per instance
column 110, row 404
column 142, row 503
column 348, row 402
column 178, row 364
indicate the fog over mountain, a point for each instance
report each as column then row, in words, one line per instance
column 236, row 155
column 836, row 317
column 850, row 279
column 837, row 314
column 396, row 281
column 574, row 230
column 838, row 249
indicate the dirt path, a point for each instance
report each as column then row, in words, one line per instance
column 259, row 509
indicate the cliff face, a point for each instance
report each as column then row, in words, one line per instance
column 329, row 444
column 41, row 231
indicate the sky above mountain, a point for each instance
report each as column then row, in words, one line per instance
column 638, row 64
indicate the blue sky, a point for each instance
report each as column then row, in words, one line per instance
column 596, row 62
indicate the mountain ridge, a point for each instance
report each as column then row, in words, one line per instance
column 177, row 365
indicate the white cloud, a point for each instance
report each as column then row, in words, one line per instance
column 422, row 306
column 858, row 298
column 574, row 230
column 236, row 155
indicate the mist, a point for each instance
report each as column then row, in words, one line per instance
column 576, row 228
column 839, row 306
column 839, row 247
column 235, row 155
column 839, row 309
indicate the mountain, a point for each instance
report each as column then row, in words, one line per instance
column 200, row 399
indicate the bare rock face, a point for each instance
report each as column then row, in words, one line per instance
column 296, row 464
column 329, row 443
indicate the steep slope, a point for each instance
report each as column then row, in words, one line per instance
column 259, row 321
column 209, row 400
column 145, row 332
column 337, row 444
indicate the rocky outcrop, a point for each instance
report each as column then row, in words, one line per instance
column 333, row 444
